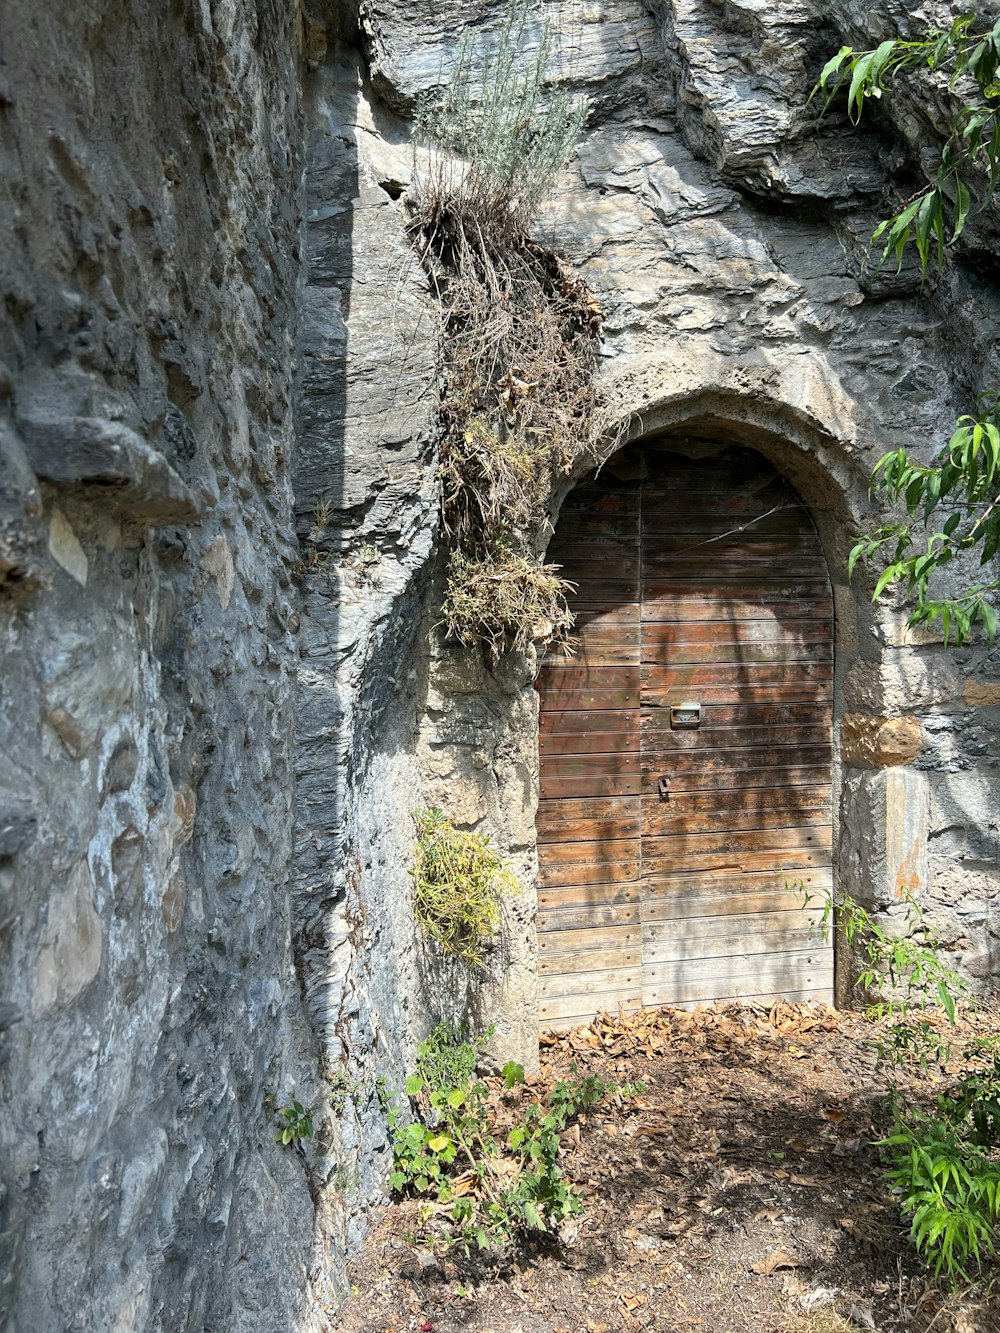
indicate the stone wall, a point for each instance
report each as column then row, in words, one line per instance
column 149, row 234
column 219, row 709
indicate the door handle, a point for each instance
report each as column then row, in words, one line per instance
column 664, row 788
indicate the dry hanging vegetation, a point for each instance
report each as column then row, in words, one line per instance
column 520, row 331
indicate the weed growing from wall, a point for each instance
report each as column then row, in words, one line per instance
column 520, row 330
column 458, row 881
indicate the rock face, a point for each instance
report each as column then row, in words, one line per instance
column 221, row 703
column 151, row 1018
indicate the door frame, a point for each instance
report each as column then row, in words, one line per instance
column 832, row 485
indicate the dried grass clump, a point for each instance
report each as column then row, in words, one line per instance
column 520, row 333
column 505, row 604
column 458, row 880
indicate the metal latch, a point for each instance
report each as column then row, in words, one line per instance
column 664, row 787
column 685, row 717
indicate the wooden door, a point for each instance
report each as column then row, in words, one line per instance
column 700, row 583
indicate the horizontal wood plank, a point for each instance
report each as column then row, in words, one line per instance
column 680, row 845
column 726, row 936
column 741, row 655
column 626, row 980
column 554, row 876
column 790, row 859
column 588, row 960
column 600, row 852
column 573, row 1010
column 721, row 903
column 553, row 943
column 583, row 915
column 590, row 742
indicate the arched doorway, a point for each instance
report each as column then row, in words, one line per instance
column 686, row 745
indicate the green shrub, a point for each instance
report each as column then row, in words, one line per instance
column 942, row 1162
column 297, row 1123
column 458, row 881
column 489, row 1190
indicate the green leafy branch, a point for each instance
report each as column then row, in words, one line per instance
column 935, row 216
column 965, row 480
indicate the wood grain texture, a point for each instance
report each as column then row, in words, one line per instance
column 702, row 582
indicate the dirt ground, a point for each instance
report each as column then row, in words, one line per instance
column 739, row 1191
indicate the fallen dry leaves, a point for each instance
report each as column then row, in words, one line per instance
column 737, row 1192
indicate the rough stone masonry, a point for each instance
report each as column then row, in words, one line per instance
column 222, row 692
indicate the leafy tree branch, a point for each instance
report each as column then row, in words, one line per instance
column 958, row 493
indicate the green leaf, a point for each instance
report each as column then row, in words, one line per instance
column 414, row 1085
column 513, row 1074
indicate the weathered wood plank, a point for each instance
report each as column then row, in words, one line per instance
column 569, row 963
column 566, row 821
column 627, row 980
column 681, row 845
column 719, row 717
column 554, row 876
column 597, row 645
column 573, row 1010
column 770, row 693
column 659, row 680
column 656, row 823
column 821, row 992
column 582, row 698
column 718, row 759
column 707, row 737
column 621, row 784
column 604, row 613
column 790, row 859
column 671, row 886
column 738, row 974
column 738, row 633
column 583, row 765
column 587, row 915
column 602, row 852
column 593, row 742
column 697, row 603
column 567, row 723
column 741, row 655
column 570, row 940
column 724, row 903
column 727, row 936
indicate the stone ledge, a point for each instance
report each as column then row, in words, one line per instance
column 108, row 456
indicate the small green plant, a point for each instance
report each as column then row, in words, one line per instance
column 949, row 1189
column 903, row 980
column 940, row 1162
column 458, row 881
column 297, row 1123
column 490, row 1189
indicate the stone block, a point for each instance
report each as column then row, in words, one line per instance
column 71, row 944
column 981, row 693
column 869, row 741
column 885, row 829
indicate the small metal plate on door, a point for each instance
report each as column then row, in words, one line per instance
column 685, row 717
